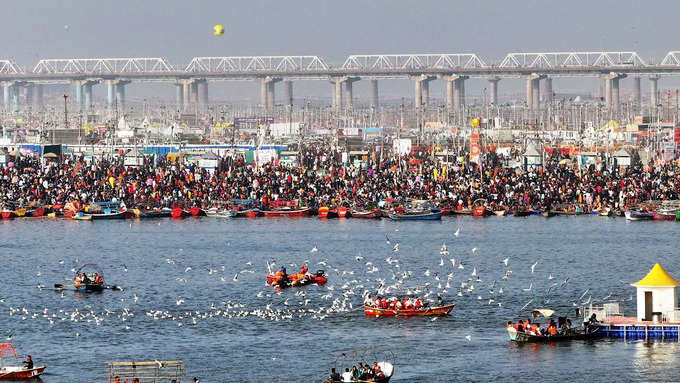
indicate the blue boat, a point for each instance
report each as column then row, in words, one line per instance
column 433, row 215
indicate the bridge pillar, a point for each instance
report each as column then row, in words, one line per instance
column 422, row 90
column 653, row 91
column 536, row 94
column 611, row 91
column 337, row 92
column 616, row 96
column 493, row 90
column 268, row 92
column 186, row 94
column 7, row 94
column 637, row 94
column 29, row 88
column 179, row 95
column 288, row 89
column 110, row 93
column 529, row 91
column 349, row 94
column 203, row 92
column 194, row 93
column 120, row 93
column 79, row 94
column 455, row 92
column 38, row 95
column 548, row 91
column 375, row 101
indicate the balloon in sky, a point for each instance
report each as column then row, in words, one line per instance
column 218, row 30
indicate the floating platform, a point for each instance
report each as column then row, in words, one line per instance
column 640, row 330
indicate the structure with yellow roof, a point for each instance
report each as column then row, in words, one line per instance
column 657, row 294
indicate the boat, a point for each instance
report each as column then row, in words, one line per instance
column 499, row 213
column 281, row 208
column 35, row 213
column 93, row 283
column 7, row 214
column 382, row 357
column 548, row 213
column 8, row 372
column 80, row 216
column 220, row 213
column 636, row 214
column 521, row 213
column 326, row 212
column 664, row 214
column 461, row 212
column 524, row 337
column 245, row 208
column 178, row 212
column 480, row 209
column 426, row 311
column 416, row 216
column 367, row 214
column 152, row 213
column 298, row 279
column 605, row 212
column 107, row 210
column 342, row 212
column 197, row 212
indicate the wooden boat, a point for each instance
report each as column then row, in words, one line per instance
column 416, row 216
column 605, row 213
column 220, row 213
column 367, row 214
column 93, row 283
column 427, row 311
column 298, row 280
column 636, row 214
column 280, row 208
column 80, row 216
column 326, row 212
column 461, row 212
column 35, row 213
column 548, row 213
column 664, row 214
column 153, row 213
column 499, row 213
column 481, row 211
column 523, row 337
column 116, row 215
column 7, row 350
column 385, row 361
column 521, row 213
column 197, row 212
column 342, row 212
column 7, row 214
column 178, row 212
column 107, row 210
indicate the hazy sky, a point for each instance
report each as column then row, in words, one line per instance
column 179, row 30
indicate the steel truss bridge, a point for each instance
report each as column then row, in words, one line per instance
column 513, row 65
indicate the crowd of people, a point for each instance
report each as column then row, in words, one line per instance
column 84, row 279
column 394, row 303
column 552, row 328
column 321, row 178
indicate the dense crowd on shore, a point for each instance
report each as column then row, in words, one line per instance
column 322, row 179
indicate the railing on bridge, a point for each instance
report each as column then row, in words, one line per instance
column 103, row 66
column 571, row 59
column 672, row 58
column 10, row 67
column 256, row 64
column 413, row 61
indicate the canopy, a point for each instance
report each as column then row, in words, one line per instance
column 657, row 277
column 544, row 312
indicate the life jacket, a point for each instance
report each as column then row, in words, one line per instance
column 552, row 330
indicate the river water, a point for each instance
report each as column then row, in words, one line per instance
column 189, row 307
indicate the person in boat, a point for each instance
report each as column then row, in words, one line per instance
column 98, row 279
column 86, row 280
column 347, row 375
column 28, row 363
column 281, row 276
column 519, row 326
column 116, row 380
column 334, row 377
column 593, row 320
column 355, row 373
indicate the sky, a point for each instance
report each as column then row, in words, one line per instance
column 180, row 30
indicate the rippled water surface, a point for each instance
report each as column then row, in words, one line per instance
column 205, row 318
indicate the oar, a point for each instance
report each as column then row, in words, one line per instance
column 113, row 287
column 61, row 286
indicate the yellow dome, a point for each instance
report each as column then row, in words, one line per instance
column 657, row 277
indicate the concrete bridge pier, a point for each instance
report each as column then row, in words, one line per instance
column 637, row 94
column 87, row 88
column 110, row 93
column 179, row 95
column 536, row 94
column 120, row 93
column 493, row 90
column 7, row 94
column 78, row 86
column 548, row 98
column 653, row 91
column 288, row 91
column 268, row 92
column 337, row 92
column 37, row 99
column 349, row 94
column 203, row 93
column 375, row 101
column 455, row 92
column 422, row 90
column 186, row 94
column 612, row 93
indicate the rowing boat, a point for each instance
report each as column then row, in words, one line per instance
column 424, row 216
column 428, row 311
column 7, row 350
column 524, row 337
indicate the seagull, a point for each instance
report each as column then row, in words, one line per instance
column 533, row 267
column 505, row 261
column 457, row 232
column 444, row 250
column 359, row 258
column 441, row 261
column 235, row 277
column 125, row 268
column 474, row 271
column 550, row 276
column 187, row 269
column 179, row 302
column 395, row 248
column 531, row 285
column 527, row 304
column 387, row 239
column 9, row 336
column 314, row 250
column 474, row 249
column 61, row 261
column 468, row 337
column 453, row 262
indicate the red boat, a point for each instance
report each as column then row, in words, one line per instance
column 37, row 212
column 299, row 279
column 179, row 213
column 367, row 214
column 427, row 311
column 664, row 215
column 342, row 212
column 326, row 212
column 7, row 214
column 281, row 208
column 197, row 211
column 481, row 211
column 7, row 350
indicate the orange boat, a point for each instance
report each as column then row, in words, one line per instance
column 427, row 311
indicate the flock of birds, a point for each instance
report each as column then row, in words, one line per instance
column 454, row 275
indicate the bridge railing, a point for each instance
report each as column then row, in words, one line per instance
column 256, row 63
column 413, row 61
column 571, row 59
column 103, row 65
column 10, row 67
